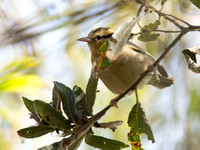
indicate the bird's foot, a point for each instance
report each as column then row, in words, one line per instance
column 114, row 103
column 151, row 68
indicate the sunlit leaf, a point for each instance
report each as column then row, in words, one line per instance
column 16, row 82
column 17, row 65
column 91, row 92
column 146, row 32
column 35, row 131
column 79, row 97
column 68, row 99
column 29, row 104
column 139, row 124
column 104, row 143
column 196, row 3
column 51, row 116
column 190, row 56
column 54, row 146
column 81, row 107
column 119, row 39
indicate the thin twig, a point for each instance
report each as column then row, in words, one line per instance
column 167, row 31
column 168, row 48
column 179, row 19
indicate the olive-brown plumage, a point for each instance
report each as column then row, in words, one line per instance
column 128, row 66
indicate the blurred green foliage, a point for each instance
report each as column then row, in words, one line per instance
column 13, row 79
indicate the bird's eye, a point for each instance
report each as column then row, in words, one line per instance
column 99, row 37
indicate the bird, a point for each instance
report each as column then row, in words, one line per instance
column 125, row 70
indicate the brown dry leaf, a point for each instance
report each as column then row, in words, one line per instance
column 190, row 56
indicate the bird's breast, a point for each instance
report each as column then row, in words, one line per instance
column 124, row 71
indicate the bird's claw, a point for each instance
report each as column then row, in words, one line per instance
column 151, row 68
column 113, row 103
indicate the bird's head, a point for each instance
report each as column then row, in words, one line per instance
column 97, row 37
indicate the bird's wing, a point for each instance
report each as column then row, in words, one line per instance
column 160, row 67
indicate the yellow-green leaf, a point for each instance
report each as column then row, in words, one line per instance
column 17, row 82
column 146, row 32
column 20, row 64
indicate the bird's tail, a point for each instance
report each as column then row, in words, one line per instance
column 163, row 82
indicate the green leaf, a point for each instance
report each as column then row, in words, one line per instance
column 54, row 98
column 104, row 143
column 29, row 104
column 196, row 3
column 34, row 114
column 68, row 99
column 63, row 144
column 139, row 124
column 148, row 37
column 146, row 32
column 52, row 116
column 91, row 92
column 81, row 113
column 35, row 131
column 54, row 146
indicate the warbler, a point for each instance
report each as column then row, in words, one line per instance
column 128, row 66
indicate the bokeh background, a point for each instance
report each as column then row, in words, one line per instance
column 38, row 46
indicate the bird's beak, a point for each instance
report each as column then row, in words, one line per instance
column 85, row 39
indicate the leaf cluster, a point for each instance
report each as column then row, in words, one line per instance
column 69, row 115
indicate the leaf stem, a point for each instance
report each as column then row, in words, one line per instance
column 136, row 96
